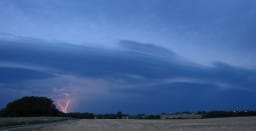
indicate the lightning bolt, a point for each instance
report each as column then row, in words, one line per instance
column 64, row 105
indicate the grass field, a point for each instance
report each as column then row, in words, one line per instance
column 216, row 124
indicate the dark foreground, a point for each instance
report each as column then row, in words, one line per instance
column 15, row 122
column 217, row 124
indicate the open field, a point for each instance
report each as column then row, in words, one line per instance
column 216, row 124
column 18, row 121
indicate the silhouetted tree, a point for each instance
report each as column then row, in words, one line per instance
column 119, row 115
column 213, row 114
column 31, row 106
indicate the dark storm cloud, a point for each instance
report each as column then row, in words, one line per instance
column 85, row 60
column 136, row 60
column 13, row 75
column 146, row 48
column 135, row 71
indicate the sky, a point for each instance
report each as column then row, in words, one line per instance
column 134, row 56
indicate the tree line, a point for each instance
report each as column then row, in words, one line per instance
column 43, row 106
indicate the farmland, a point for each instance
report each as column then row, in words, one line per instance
column 6, row 122
column 214, row 124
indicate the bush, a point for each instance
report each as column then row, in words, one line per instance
column 31, row 106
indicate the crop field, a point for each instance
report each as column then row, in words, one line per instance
column 6, row 122
column 216, row 124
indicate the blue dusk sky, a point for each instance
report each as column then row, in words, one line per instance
column 134, row 56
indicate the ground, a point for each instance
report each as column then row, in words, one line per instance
column 216, row 124
column 10, row 122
